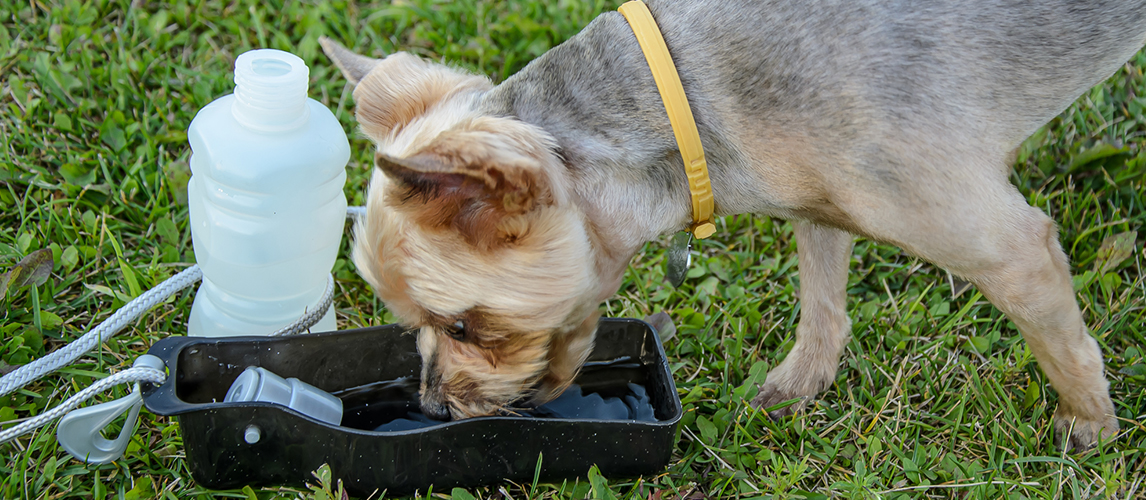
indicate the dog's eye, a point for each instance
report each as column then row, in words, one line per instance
column 457, row 331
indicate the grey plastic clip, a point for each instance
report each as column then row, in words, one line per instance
column 79, row 430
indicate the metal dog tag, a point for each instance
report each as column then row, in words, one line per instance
column 679, row 258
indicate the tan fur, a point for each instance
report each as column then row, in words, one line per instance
column 567, row 352
column 506, row 358
column 402, row 90
column 478, row 178
column 824, row 327
column 463, row 213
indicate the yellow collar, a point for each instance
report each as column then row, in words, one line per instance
column 679, row 113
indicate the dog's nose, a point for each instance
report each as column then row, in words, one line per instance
column 436, row 411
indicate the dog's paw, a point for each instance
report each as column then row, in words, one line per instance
column 1076, row 434
column 770, row 395
column 786, row 383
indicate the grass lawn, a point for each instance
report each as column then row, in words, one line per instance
column 937, row 396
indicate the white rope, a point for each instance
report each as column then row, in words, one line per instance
column 134, row 374
column 312, row 316
column 64, row 356
column 76, row 349
column 355, row 212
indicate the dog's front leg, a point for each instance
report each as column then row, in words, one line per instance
column 824, row 326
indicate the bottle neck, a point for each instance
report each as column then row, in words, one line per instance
column 270, row 90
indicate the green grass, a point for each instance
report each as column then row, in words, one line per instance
column 937, row 395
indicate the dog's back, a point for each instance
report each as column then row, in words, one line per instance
column 1007, row 65
column 799, row 94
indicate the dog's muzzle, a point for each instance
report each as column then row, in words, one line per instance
column 436, row 411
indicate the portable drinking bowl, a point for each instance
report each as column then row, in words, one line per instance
column 256, row 442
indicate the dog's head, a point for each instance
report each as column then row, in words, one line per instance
column 470, row 238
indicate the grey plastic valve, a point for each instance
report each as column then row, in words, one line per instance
column 258, row 384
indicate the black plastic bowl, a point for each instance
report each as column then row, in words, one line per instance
column 471, row 452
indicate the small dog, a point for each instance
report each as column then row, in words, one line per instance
column 500, row 217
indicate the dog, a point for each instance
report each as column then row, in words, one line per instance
column 499, row 217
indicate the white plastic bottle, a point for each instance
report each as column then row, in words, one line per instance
column 267, row 211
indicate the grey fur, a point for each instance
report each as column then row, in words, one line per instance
column 847, row 74
column 893, row 120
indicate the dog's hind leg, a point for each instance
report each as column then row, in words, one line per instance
column 824, row 326
column 1033, row 287
column 1011, row 252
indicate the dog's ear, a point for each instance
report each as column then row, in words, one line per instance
column 354, row 67
column 392, row 92
column 479, row 178
column 567, row 354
